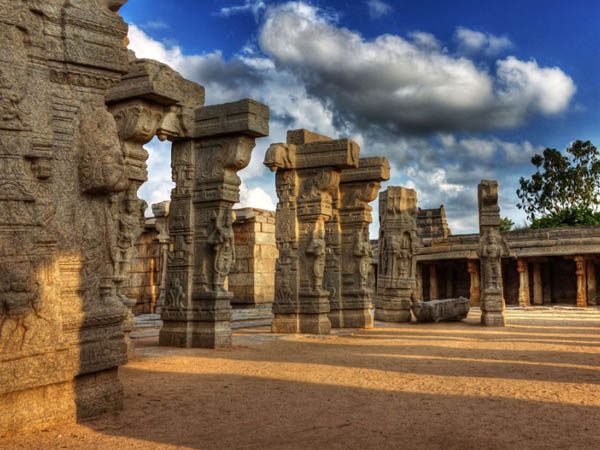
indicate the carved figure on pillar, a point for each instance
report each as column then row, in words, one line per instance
column 317, row 249
column 223, row 241
column 397, row 283
column 363, row 254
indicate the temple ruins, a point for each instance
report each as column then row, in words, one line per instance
column 78, row 259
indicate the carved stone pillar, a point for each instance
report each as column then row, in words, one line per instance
column 358, row 188
column 449, row 269
column 591, row 283
column 523, row 269
column 547, row 281
column 581, row 278
column 491, row 249
column 433, row 282
column 308, row 175
column 538, row 288
column 398, row 243
column 198, row 310
column 474, row 289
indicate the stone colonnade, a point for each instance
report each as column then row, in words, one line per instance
column 322, row 232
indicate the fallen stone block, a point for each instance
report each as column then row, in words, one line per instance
column 445, row 310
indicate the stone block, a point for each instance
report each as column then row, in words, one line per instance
column 445, row 310
column 245, row 117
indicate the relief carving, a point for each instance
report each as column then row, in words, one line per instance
column 222, row 240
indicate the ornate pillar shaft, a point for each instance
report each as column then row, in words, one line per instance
column 581, row 278
column 474, row 289
column 491, row 249
column 308, row 231
column 398, row 243
column 523, row 269
column 358, row 188
column 198, row 310
column 591, row 283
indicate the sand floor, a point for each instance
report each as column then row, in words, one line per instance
column 532, row 385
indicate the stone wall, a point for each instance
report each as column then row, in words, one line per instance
column 432, row 223
column 144, row 275
column 252, row 281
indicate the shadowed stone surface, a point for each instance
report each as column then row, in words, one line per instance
column 445, row 310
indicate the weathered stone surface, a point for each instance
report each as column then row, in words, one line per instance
column 444, row 310
column 308, row 231
column 398, row 243
column 205, row 162
column 491, row 249
column 63, row 177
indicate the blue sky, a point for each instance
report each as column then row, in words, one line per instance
column 450, row 92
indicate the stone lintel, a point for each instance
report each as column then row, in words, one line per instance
column 158, row 83
column 246, row 117
column 161, row 209
column 303, row 136
column 369, row 169
column 339, row 153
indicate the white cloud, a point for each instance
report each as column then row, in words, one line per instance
column 471, row 41
column 378, row 8
column 255, row 198
column 412, row 86
column 156, row 25
column 253, row 6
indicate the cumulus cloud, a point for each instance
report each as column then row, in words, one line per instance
column 253, row 6
column 400, row 84
column 471, row 41
column 378, row 8
column 406, row 98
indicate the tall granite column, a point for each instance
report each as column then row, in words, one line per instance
column 474, row 289
column 433, row 282
column 358, row 188
column 398, row 243
column 538, row 289
column 523, row 269
column 491, row 249
column 308, row 170
column 198, row 310
column 591, row 283
column 581, row 278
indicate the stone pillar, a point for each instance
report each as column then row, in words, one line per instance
column 205, row 166
column 523, row 269
column 591, row 283
column 161, row 213
column 358, row 188
column 398, row 243
column 474, row 289
column 308, row 170
column 433, row 282
column 581, row 281
column 538, row 289
column 491, row 249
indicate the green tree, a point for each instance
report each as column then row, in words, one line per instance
column 506, row 224
column 563, row 185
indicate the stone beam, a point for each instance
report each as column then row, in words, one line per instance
column 340, row 154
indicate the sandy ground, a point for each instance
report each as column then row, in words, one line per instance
column 532, row 385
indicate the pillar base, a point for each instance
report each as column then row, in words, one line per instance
column 195, row 334
column 493, row 319
column 393, row 315
column 301, row 323
column 357, row 318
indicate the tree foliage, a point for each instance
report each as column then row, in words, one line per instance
column 564, row 187
column 506, row 224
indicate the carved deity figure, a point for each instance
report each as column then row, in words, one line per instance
column 362, row 252
column 492, row 252
column 127, row 231
column 405, row 256
column 318, row 249
column 176, row 296
column 222, row 239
